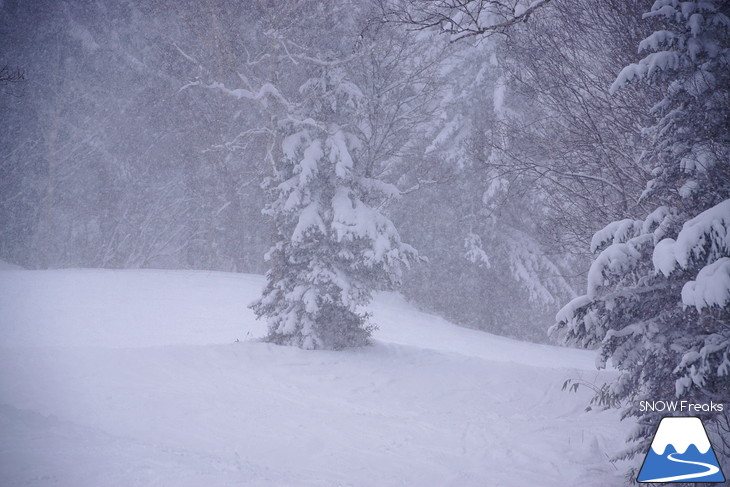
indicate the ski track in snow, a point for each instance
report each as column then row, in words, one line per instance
column 135, row 378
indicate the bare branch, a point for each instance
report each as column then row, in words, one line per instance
column 8, row 75
column 460, row 18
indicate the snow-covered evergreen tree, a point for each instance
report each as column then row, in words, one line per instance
column 333, row 244
column 658, row 297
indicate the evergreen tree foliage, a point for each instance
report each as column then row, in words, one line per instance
column 333, row 244
column 658, row 296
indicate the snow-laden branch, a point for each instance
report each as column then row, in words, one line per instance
column 295, row 58
column 421, row 183
column 267, row 90
column 185, row 55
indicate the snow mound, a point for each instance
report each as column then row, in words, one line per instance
column 145, row 308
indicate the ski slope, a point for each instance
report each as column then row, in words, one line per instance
column 156, row 378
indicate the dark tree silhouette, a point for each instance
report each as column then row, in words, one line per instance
column 8, row 75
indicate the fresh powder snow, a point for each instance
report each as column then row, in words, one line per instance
column 124, row 378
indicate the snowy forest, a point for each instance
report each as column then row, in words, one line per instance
column 552, row 172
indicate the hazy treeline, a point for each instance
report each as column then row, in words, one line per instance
column 120, row 149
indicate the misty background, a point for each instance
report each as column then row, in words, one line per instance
column 542, row 170
column 508, row 151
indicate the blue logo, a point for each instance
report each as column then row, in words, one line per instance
column 681, row 452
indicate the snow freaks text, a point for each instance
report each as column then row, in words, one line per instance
column 680, row 406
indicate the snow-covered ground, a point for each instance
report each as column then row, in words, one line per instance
column 126, row 378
